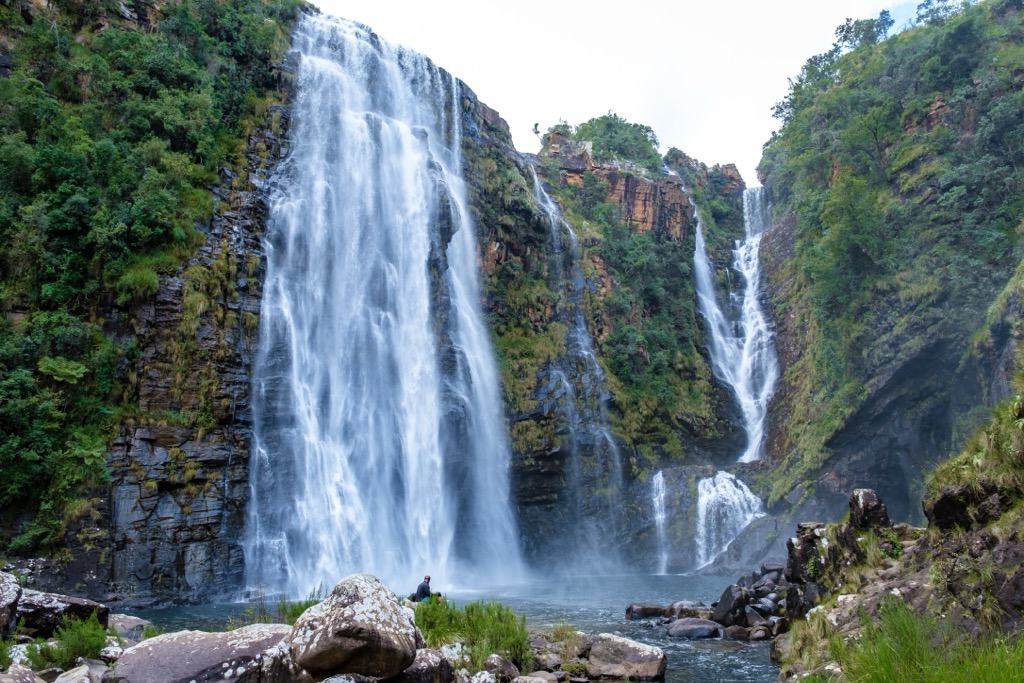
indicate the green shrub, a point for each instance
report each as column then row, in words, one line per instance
column 75, row 638
column 483, row 628
column 288, row 611
column 911, row 648
column 5, row 654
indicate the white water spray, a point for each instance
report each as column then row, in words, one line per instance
column 724, row 507
column 378, row 441
column 743, row 356
column 660, row 517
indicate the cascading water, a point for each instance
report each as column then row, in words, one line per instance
column 741, row 343
column 724, row 507
column 743, row 356
column 595, row 464
column 378, row 441
column 660, row 517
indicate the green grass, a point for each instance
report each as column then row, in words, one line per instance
column 483, row 628
column 75, row 638
column 910, row 648
column 5, row 654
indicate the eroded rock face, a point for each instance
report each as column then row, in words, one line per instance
column 187, row 656
column 360, row 628
column 613, row 656
column 10, row 592
column 867, row 511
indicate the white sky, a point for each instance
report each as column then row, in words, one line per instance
column 703, row 76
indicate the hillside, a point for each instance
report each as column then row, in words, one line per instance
column 896, row 179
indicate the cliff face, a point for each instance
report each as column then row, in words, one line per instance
column 891, row 262
column 587, row 433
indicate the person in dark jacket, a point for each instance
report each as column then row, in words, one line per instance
column 423, row 590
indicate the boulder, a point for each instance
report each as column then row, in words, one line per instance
column 687, row 608
column 10, row 592
column 80, row 674
column 359, row 628
column 545, row 676
column 430, row 666
column 867, row 511
column 186, row 656
column 41, row 613
column 735, row 633
column 128, row 626
column 19, row 673
column 503, row 669
column 693, row 629
column 644, row 610
column 613, row 656
column 729, row 609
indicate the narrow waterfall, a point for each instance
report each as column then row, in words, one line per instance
column 594, row 474
column 660, row 517
column 378, row 440
column 724, row 507
column 743, row 356
column 741, row 342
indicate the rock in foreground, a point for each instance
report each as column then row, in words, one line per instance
column 613, row 656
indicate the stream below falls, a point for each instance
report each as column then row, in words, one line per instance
column 594, row 603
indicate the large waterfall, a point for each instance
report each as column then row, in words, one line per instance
column 743, row 357
column 379, row 444
column 594, row 485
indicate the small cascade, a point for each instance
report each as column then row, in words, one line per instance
column 378, row 442
column 660, row 517
column 594, row 472
column 743, row 356
column 725, row 506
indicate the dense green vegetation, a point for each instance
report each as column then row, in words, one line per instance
column 903, row 646
column 74, row 638
column 901, row 162
column 112, row 137
column 650, row 351
column 483, row 629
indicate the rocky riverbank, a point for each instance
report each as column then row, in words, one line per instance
column 360, row 632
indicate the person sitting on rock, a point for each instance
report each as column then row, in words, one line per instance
column 423, row 590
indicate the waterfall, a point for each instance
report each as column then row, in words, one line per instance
column 724, row 507
column 378, row 443
column 658, row 503
column 743, row 356
column 741, row 342
column 594, row 473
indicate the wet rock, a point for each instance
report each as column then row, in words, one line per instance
column 185, row 656
column 688, row 608
column 867, row 511
column 613, row 656
column 359, row 628
column 546, row 676
column 41, row 613
column 729, row 609
column 694, row 629
column 430, row 666
column 644, row 610
column 735, row 633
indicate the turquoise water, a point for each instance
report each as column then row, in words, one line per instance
column 596, row 604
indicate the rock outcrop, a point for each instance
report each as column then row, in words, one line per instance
column 360, row 628
column 186, row 656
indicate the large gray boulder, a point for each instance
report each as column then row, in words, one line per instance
column 41, row 613
column 187, row 656
column 360, row 628
column 10, row 592
column 692, row 628
column 613, row 656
